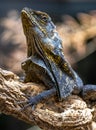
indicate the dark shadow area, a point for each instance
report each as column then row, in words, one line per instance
column 87, row 69
column 10, row 123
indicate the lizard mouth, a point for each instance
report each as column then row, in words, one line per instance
column 29, row 19
column 27, row 16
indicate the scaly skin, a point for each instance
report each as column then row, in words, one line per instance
column 45, row 59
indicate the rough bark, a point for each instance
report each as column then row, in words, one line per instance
column 71, row 114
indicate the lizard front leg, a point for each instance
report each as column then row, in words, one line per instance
column 89, row 92
column 36, row 99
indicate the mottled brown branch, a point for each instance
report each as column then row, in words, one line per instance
column 70, row 114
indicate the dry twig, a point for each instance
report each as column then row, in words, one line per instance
column 70, row 114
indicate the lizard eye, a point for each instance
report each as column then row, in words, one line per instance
column 44, row 18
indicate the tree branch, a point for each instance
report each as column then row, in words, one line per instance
column 70, row 114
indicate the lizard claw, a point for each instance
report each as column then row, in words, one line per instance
column 31, row 102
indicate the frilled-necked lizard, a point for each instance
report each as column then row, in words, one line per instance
column 46, row 62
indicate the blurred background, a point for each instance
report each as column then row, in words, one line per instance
column 76, row 24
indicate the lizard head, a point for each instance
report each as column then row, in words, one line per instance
column 40, row 30
column 37, row 22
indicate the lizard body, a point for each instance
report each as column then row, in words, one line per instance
column 45, row 61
